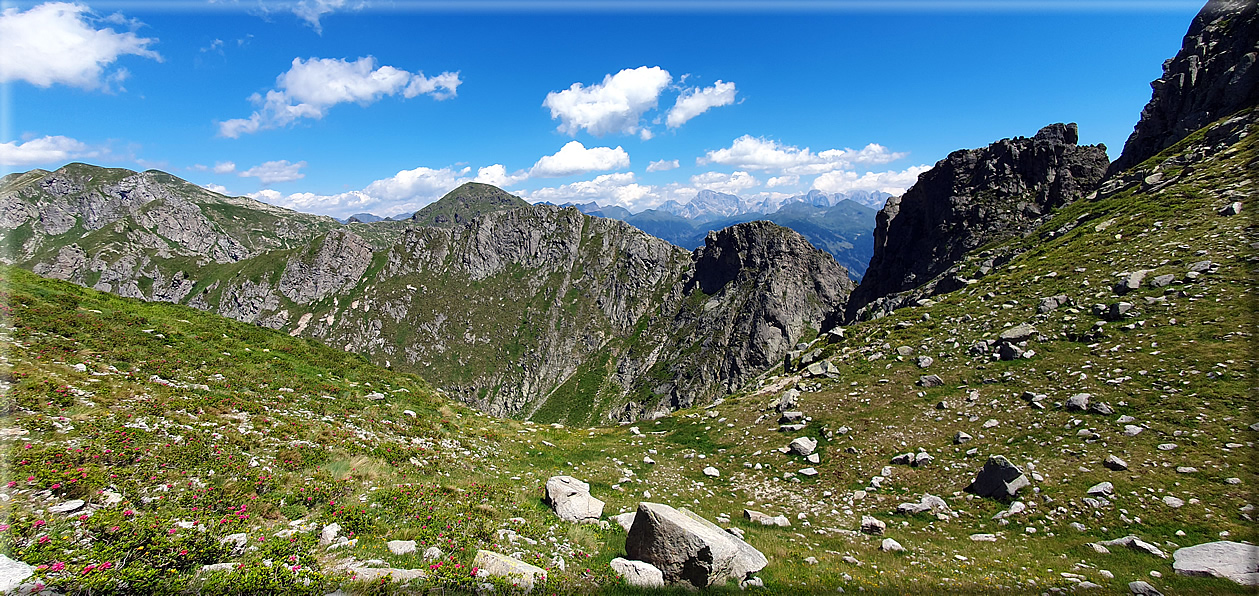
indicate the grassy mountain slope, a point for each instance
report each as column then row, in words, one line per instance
column 466, row 203
column 155, row 426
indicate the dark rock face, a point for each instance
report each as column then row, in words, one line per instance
column 971, row 198
column 1212, row 76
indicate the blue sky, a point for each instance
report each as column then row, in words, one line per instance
column 344, row 106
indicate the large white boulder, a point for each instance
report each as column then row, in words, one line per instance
column 1232, row 560
column 571, row 500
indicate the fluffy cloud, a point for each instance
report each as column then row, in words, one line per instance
column 753, row 153
column 224, row 167
column 890, row 182
column 727, row 183
column 58, row 42
column 663, row 165
column 782, row 181
column 404, row 192
column 497, row 175
column 619, row 188
column 216, row 188
column 614, row 106
column 310, row 87
column 44, row 150
column 275, row 171
column 696, row 101
column 575, row 158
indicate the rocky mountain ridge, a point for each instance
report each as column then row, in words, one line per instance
column 578, row 317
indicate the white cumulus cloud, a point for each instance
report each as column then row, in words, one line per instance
column 497, row 175
column 224, row 167
column 310, row 87
column 58, row 42
column 275, row 171
column 404, row 192
column 663, row 165
column 44, row 150
column 614, row 106
column 755, row 153
column 575, row 158
column 696, row 101
column 782, row 181
column 216, row 188
column 890, row 181
column 727, row 183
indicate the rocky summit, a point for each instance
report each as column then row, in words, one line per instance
column 1044, row 385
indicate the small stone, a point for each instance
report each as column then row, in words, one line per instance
column 67, row 507
column 811, row 560
column 1141, row 588
column 802, row 445
column 983, row 537
column 961, row 438
column 711, row 472
column 891, row 546
column 1113, row 462
column 930, row 381
column 1102, row 489
column 1231, row 209
column 401, row 547
column 432, row 553
column 872, row 526
column 1173, row 502
column 1078, row 402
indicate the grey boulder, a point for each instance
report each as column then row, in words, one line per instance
column 638, row 573
column 13, row 573
column 999, row 479
column 1231, row 560
column 687, row 548
column 571, row 500
column 490, row 563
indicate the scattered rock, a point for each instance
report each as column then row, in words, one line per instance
column 1078, row 402
column 329, row 533
column 983, row 537
column 872, row 526
column 961, row 438
column 891, row 546
column 1018, row 333
column 638, row 573
column 1114, row 463
column 1141, row 588
column 67, row 507
column 930, row 381
column 1137, row 544
column 625, row 520
column 432, row 553
column 1231, row 560
column 929, row 502
column 497, row 565
column 570, row 499
column 925, row 361
column 712, row 472
column 1104, row 489
column 401, row 547
column 1231, row 209
column 802, row 445
column 999, row 479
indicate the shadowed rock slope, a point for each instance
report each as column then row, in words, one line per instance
column 1212, row 76
column 969, row 199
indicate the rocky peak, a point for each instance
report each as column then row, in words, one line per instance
column 1212, row 76
column 971, row 198
column 465, row 203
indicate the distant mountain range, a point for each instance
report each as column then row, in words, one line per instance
column 842, row 224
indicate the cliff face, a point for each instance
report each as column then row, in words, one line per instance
column 530, row 311
column 1212, row 76
column 971, row 198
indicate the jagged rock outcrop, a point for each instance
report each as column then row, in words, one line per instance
column 1213, row 76
column 340, row 260
column 971, row 198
